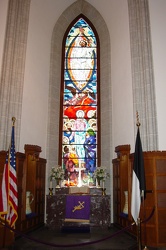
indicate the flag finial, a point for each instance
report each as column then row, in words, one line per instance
column 138, row 123
column 13, row 120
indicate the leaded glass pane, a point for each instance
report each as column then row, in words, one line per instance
column 79, row 138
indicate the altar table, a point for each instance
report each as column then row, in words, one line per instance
column 56, row 209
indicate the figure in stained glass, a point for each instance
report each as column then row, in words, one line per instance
column 90, row 150
column 79, row 131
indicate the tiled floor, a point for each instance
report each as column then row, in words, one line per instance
column 96, row 239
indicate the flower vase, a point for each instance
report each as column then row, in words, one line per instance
column 58, row 181
column 125, row 209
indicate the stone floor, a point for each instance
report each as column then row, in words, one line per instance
column 96, row 239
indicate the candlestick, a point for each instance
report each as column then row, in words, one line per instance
column 50, row 191
column 103, row 191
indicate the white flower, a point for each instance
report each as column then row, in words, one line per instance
column 101, row 174
column 57, row 173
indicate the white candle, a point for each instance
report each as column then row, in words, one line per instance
column 50, row 184
column 103, row 184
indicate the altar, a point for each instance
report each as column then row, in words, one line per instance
column 96, row 215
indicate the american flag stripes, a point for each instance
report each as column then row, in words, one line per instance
column 8, row 192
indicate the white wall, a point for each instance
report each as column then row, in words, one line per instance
column 43, row 16
column 116, row 16
column 158, row 33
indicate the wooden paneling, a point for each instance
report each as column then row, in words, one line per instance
column 154, row 230
column 30, row 177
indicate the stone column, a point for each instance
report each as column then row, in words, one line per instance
column 142, row 72
column 12, row 74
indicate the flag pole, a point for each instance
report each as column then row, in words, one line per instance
column 145, row 247
column 4, row 203
column 139, row 233
column 13, row 120
column 4, row 233
column 138, row 123
column 138, row 182
column 5, row 221
column 138, row 220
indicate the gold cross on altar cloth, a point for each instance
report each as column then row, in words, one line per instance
column 78, row 207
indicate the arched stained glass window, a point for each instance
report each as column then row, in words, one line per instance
column 80, row 104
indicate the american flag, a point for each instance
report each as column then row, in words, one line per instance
column 8, row 192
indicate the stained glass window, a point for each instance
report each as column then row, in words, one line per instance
column 80, row 105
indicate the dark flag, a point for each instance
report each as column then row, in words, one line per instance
column 8, row 192
column 138, row 179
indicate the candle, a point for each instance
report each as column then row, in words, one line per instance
column 50, row 184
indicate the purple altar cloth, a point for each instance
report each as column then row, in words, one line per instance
column 78, row 207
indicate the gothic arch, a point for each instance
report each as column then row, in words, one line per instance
column 74, row 10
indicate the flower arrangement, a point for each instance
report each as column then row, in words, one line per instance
column 101, row 174
column 57, row 173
